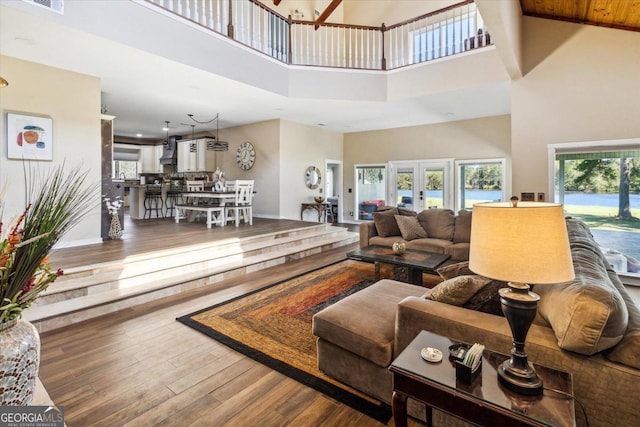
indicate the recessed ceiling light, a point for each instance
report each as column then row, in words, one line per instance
column 321, row 124
column 138, row 135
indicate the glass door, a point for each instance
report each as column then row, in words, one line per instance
column 421, row 185
column 371, row 187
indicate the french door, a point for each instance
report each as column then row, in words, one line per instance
column 421, row 185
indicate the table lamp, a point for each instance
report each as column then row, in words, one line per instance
column 521, row 243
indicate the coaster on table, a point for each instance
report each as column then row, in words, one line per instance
column 431, row 354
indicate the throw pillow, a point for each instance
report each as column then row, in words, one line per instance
column 462, row 230
column 385, row 222
column 456, row 291
column 487, row 299
column 410, row 227
column 454, row 270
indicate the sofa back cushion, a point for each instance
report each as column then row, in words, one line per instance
column 627, row 351
column 587, row 314
column 438, row 223
column 462, row 229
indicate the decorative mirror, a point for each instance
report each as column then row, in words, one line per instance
column 312, row 177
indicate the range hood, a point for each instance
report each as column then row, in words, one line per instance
column 170, row 152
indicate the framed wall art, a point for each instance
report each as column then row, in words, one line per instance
column 29, row 137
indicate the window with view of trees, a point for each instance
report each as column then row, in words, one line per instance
column 603, row 189
column 479, row 181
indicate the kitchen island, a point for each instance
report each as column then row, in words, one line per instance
column 137, row 194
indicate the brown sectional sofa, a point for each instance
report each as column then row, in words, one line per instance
column 446, row 232
column 577, row 321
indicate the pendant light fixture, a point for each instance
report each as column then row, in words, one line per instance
column 3, row 82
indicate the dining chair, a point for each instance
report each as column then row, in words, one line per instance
column 241, row 206
column 230, row 186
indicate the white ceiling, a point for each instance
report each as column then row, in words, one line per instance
column 143, row 86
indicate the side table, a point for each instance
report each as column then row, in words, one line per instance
column 323, row 209
column 484, row 401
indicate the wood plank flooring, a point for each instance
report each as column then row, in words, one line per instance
column 139, row 367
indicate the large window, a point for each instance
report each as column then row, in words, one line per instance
column 602, row 187
column 125, row 169
column 480, row 181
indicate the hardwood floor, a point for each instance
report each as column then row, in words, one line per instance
column 139, row 367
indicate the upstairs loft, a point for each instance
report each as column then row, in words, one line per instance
column 142, row 48
column 444, row 32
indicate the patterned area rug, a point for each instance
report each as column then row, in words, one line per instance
column 273, row 327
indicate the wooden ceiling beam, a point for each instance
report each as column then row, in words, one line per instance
column 327, row 12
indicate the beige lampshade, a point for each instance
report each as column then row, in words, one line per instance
column 527, row 243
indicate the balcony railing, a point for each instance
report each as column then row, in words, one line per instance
column 446, row 32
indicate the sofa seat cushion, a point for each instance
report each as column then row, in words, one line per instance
column 364, row 323
column 428, row 244
column 458, row 251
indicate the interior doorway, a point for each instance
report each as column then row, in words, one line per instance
column 333, row 188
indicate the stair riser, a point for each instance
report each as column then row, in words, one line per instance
column 178, row 274
column 119, row 272
column 82, row 314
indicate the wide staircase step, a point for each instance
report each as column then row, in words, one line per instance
column 89, row 291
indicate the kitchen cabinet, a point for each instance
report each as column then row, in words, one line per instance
column 193, row 156
column 150, row 157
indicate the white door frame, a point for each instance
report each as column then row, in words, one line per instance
column 419, row 166
column 338, row 183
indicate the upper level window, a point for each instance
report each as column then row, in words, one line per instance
column 449, row 33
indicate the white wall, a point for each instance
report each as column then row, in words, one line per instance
column 72, row 100
column 581, row 83
column 303, row 146
column 466, row 139
column 265, row 137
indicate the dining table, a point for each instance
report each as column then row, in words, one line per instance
column 222, row 196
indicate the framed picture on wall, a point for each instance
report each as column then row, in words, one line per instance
column 527, row 197
column 29, row 137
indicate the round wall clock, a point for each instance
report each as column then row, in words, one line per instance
column 246, row 156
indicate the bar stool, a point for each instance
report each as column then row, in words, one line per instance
column 174, row 197
column 153, row 201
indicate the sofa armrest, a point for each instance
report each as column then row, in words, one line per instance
column 604, row 387
column 367, row 231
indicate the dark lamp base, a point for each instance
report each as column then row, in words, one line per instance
column 519, row 307
column 520, row 381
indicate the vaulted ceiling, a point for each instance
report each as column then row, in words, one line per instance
column 620, row 14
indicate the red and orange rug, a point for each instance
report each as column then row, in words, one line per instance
column 273, row 327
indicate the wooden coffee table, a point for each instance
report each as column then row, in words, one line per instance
column 484, row 401
column 412, row 263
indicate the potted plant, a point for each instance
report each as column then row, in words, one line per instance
column 55, row 203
